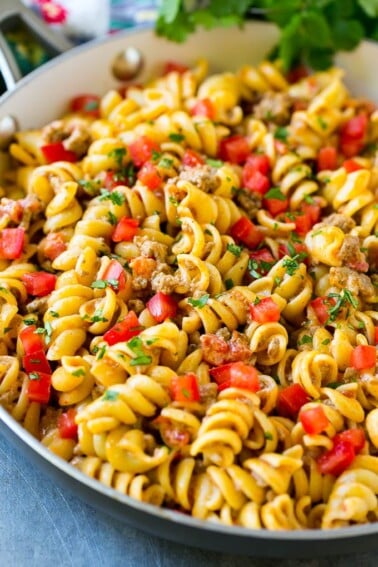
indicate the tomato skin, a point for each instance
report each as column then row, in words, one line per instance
column 38, row 390
column 291, row 399
column 125, row 229
column 114, row 178
column 327, row 158
column 276, row 206
column 236, row 375
column 353, row 134
column 39, row 283
column 67, row 426
column 320, row 306
column 299, row 247
column 246, row 232
column 256, row 181
column 313, row 210
column 31, row 341
column 257, row 162
column 162, row 306
column 363, row 357
column 57, row 152
column 142, row 149
column 265, row 311
column 204, row 107
column 303, row 223
column 355, row 436
column 336, row 460
column 115, row 271
column 351, row 165
column 262, row 255
column 234, row 149
column 53, row 245
column 185, row 388
column 36, row 362
column 124, row 330
column 192, row 159
column 149, row 176
column 12, row 242
column 87, row 103
column 314, row 420
column 376, row 335
column 174, row 66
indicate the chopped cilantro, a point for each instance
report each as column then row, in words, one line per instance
column 78, row 372
column 268, row 435
column 322, row 123
column 110, row 396
column 281, row 133
column 234, row 249
column 165, row 163
column 275, row 193
column 29, row 322
column 334, row 385
column 54, row 313
column 112, row 218
column 118, row 154
column 98, row 317
column 214, row 162
column 308, row 199
column 176, row 137
column 326, row 341
column 90, row 186
column 155, row 155
column 115, row 197
column 33, row 375
column 305, row 339
column 173, row 201
column 342, row 300
column 200, row 302
column 100, row 351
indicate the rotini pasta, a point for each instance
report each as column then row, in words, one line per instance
column 188, row 295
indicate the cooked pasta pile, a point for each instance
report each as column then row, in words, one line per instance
column 188, row 286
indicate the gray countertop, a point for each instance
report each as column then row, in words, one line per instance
column 41, row 525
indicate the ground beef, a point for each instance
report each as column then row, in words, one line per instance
column 204, row 177
column 216, row 350
column 164, row 280
column 356, row 282
column 351, row 255
column 249, row 202
column 336, row 219
column 151, row 249
column 75, row 135
column 274, row 107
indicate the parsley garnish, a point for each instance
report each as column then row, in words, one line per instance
column 234, row 249
column 214, row 162
column 78, row 372
column 33, row 375
column 118, row 154
column 291, row 265
column 308, row 199
column 253, row 266
column 112, row 218
column 334, row 385
column 173, row 201
column 100, row 351
column 90, row 186
column 141, row 358
column 305, row 339
column 322, row 123
column 268, row 435
column 275, row 193
column 281, row 133
column 98, row 317
column 176, row 137
column 54, row 313
column 29, row 322
column 115, row 197
column 110, row 396
column 102, row 284
column 326, row 341
column 165, row 163
column 200, row 302
column 341, row 301
column 46, row 330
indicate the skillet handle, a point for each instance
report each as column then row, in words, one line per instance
column 14, row 15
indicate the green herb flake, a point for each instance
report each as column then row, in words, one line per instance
column 200, row 302
column 326, row 341
column 115, row 197
column 334, row 385
column 229, row 283
column 78, row 372
column 34, row 376
column 54, row 314
column 110, row 396
column 268, row 435
column 275, row 193
column 309, row 200
column 322, row 123
column 214, row 162
column 29, row 322
column 112, row 218
column 176, row 137
column 155, row 155
column 98, row 317
column 100, row 351
column 342, row 299
column 118, row 154
column 173, row 201
column 305, row 339
column 165, row 163
column 281, row 133
column 234, row 249
column 143, row 360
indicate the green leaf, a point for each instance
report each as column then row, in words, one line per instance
column 315, row 30
column 178, row 30
column 275, row 193
column 169, row 10
column 347, row 34
column 281, row 13
column 220, row 8
column 200, row 302
column 370, row 7
column 319, row 59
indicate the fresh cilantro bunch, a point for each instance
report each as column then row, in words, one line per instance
column 312, row 31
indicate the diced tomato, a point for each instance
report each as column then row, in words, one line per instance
column 55, row 151
column 185, row 388
column 174, row 434
column 174, row 66
column 363, row 357
column 234, row 149
column 36, row 362
column 327, row 158
column 11, row 243
column 247, row 233
column 149, row 176
column 255, row 181
column 376, row 335
column 265, row 311
column 264, row 260
column 204, row 107
column 192, row 159
column 39, row 283
column 115, row 272
column 125, row 229
column 39, row 387
column 303, row 223
column 123, row 330
column 336, row 460
column 142, row 150
column 236, row 375
column 297, row 73
column 299, row 248
column 162, row 306
column 67, row 426
column 312, row 210
column 31, row 341
column 320, row 305
column 87, row 103
column 351, row 165
column 257, row 162
column 353, row 135
column 291, row 399
column 53, row 245
column 355, row 436
column 314, row 420
column 114, row 178
column 276, row 206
